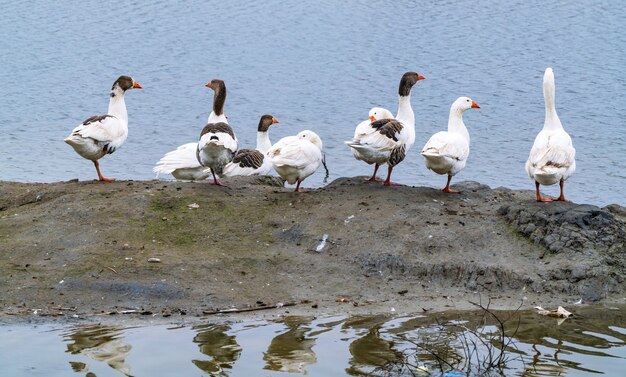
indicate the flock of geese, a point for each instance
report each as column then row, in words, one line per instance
column 381, row 139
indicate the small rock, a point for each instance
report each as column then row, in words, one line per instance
column 154, row 260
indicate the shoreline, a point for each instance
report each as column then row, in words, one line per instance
column 85, row 247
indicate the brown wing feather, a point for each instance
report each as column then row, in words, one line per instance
column 96, row 118
column 388, row 127
column 249, row 158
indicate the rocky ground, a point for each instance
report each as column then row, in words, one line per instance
column 87, row 249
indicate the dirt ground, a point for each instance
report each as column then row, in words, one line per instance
column 84, row 249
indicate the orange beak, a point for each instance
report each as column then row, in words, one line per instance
column 136, row 85
column 420, row 77
column 372, row 118
column 274, row 120
column 208, row 84
column 475, row 105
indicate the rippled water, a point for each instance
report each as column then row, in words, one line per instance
column 318, row 65
column 592, row 342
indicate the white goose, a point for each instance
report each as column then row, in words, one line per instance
column 388, row 140
column 375, row 113
column 446, row 152
column 552, row 157
column 103, row 134
column 182, row 162
column 296, row 157
column 253, row 161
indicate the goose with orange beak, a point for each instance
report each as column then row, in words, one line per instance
column 362, row 129
column 182, row 162
column 254, row 161
column 446, row 152
column 100, row 135
column 388, row 140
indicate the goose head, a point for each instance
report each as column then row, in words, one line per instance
column 265, row 123
column 407, row 81
column 312, row 137
column 464, row 103
column 378, row 113
column 122, row 84
column 219, row 97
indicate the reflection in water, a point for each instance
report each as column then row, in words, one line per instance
column 291, row 351
column 594, row 341
column 221, row 347
column 370, row 350
column 100, row 343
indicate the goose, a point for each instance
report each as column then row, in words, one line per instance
column 296, row 157
column 182, row 163
column 100, row 135
column 386, row 141
column 362, row 128
column 216, row 148
column 552, row 157
column 253, row 161
column 446, row 152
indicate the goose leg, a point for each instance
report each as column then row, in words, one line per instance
column 215, row 181
column 539, row 198
column 448, row 189
column 562, row 196
column 374, row 179
column 388, row 180
column 100, row 177
column 298, row 187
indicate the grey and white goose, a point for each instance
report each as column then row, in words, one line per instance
column 387, row 141
column 182, row 162
column 100, row 135
column 216, row 148
column 253, row 161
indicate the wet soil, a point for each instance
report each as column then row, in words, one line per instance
column 86, row 249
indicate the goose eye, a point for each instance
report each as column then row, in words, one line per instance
column 467, row 100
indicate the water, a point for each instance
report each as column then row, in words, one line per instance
column 316, row 65
column 594, row 342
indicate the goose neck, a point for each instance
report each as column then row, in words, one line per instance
column 456, row 124
column 117, row 106
column 405, row 111
column 263, row 142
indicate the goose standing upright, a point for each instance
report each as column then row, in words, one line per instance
column 216, row 148
column 446, row 152
column 388, row 140
column 100, row 135
column 253, row 161
column 375, row 113
column 296, row 157
column 182, row 162
column 552, row 157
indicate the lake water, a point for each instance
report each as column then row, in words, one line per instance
column 316, row 65
column 593, row 342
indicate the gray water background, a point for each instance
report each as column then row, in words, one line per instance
column 316, row 65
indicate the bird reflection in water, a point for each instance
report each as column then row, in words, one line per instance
column 223, row 349
column 100, row 343
column 291, row 351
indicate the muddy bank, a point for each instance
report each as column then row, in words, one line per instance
column 84, row 248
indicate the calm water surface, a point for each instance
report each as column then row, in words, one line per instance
column 592, row 343
column 318, row 65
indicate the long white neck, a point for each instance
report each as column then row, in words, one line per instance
column 217, row 118
column 263, row 142
column 406, row 117
column 455, row 123
column 117, row 106
column 552, row 121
